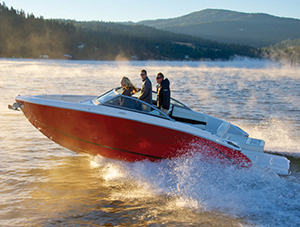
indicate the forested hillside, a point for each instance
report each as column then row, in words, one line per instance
column 253, row 29
column 24, row 35
column 287, row 52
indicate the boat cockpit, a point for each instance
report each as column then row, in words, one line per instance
column 178, row 112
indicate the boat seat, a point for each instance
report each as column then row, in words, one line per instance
column 223, row 129
column 253, row 144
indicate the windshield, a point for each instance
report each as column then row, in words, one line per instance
column 136, row 105
column 105, row 97
column 114, row 98
column 173, row 101
column 117, row 91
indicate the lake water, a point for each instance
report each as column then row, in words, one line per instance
column 44, row 184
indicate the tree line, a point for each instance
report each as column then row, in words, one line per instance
column 287, row 52
column 24, row 35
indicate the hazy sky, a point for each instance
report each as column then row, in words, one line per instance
column 137, row 10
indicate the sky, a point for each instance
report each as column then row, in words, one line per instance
column 138, row 10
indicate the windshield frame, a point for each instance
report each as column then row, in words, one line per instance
column 100, row 100
column 118, row 90
column 116, row 93
column 173, row 101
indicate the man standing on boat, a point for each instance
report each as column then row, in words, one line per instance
column 163, row 93
column 146, row 90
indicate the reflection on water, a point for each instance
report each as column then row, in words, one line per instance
column 43, row 184
column 77, row 192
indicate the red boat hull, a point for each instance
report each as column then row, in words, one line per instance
column 120, row 138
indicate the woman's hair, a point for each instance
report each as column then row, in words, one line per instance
column 160, row 74
column 128, row 84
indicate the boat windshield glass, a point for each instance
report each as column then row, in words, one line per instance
column 173, row 101
column 105, row 97
column 134, row 104
column 116, row 91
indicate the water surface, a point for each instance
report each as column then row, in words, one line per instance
column 43, row 184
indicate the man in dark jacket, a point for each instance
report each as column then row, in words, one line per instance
column 146, row 90
column 163, row 93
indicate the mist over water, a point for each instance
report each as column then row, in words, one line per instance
column 43, row 184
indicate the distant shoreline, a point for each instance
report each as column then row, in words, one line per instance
column 235, row 63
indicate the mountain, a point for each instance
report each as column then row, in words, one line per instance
column 26, row 36
column 253, row 29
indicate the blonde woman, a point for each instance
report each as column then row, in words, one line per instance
column 128, row 88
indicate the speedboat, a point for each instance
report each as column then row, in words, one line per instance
column 125, row 128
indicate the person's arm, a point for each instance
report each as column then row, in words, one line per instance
column 165, row 97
